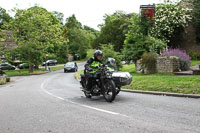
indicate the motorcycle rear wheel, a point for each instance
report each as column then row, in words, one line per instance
column 110, row 91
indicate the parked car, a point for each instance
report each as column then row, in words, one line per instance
column 7, row 66
column 52, row 62
column 70, row 66
column 23, row 66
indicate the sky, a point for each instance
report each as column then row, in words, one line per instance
column 88, row 12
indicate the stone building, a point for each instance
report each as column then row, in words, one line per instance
column 187, row 40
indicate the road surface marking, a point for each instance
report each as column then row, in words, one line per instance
column 86, row 106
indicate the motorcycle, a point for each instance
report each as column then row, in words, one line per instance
column 102, row 84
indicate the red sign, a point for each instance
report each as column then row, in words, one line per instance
column 148, row 10
column 46, row 54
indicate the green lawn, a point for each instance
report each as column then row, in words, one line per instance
column 25, row 71
column 163, row 82
column 195, row 62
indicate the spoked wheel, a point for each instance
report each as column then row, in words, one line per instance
column 110, row 91
column 84, row 86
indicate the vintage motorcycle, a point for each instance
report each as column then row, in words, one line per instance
column 102, row 84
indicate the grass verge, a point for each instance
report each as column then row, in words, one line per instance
column 195, row 62
column 25, row 72
column 162, row 82
column 77, row 75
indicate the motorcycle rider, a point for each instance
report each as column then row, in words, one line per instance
column 91, row 67
column 111, row 64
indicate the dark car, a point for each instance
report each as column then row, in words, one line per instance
column 71, row 66
column 23, row 66
column 52, row 62
column 7, row 66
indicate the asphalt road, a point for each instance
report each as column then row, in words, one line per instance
column 53, row 103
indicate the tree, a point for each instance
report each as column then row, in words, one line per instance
column 196, row 15
column 59, row 16
column 114, row 30
column 80, row 39
column 72, row 22
column 170, row 19
column 108, row 51
column 138, row 42
column 4, row 17
column 36, row 31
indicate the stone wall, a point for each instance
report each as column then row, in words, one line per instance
column 163, row 65
column 167, row 65
column 2, row 79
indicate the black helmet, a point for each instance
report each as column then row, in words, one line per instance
column 98, row 53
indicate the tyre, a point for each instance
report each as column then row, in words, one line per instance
column 118, row 89
column 87, row 95
column 109, row 91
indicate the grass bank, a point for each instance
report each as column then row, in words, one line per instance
column 24, row 72
column 195, row 62
column 162, row 82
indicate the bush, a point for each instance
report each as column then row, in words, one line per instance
column 184, row 58
column 169, row 18
column 7, row 79
column 195, row 55
column 108, row 51
column 61, row 60
column 149, row 62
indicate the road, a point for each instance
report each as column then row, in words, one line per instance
column 53, row 103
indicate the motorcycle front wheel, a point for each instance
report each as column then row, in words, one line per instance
column 109, row 91
column 84, row 87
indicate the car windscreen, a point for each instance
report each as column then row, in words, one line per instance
column 70, row 65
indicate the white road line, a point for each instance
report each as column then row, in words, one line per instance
column 86, row 106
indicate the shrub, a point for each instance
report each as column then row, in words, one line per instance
column 184, row 58
column 108, row 51
column 149, row 62
column 156, row 45
column 169, row 18
column 195, row 55
column 7, row 79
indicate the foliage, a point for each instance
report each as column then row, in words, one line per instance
column 59, row 16
column 155, row 45
column 195, row 55
column 169, row 18
column 37, row 32
column 137, row 42
column 4, row 17
column 114, row 30
column 72, row 22
column 108, row 51
column 79, row 39
column 149, row 62
column 184, row 58
column 196, row 14
column 7, row 79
